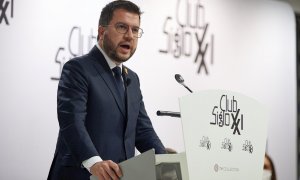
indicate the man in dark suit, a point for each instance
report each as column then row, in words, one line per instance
column 100, row 108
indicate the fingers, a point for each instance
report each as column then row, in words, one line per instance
column 106, row 170
column 116, row 169
column 109, row 170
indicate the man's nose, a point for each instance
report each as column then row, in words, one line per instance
column 129, row 33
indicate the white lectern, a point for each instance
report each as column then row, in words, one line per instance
column 225, row 137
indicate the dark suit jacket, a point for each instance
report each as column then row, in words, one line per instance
column 93, row 120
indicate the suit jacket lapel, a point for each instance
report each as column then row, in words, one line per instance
column 106, row 74
column 129, row 97
column 127, row 80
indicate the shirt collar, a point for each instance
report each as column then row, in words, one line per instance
column 110, row 63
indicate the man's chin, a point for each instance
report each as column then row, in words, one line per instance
column 120, row 59
column 123, row 58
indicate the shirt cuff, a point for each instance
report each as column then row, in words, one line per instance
column 90, row 162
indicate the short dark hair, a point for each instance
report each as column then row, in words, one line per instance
column 108, row 11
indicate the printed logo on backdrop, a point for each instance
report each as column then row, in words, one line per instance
column 227, row 114
column 188, row 35
column 205, row 143
column 6, row 11
column 218, row 168
column 226, row 144
column 78, row 44
column 248, row 147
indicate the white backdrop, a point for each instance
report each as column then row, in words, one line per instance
column 251, row 49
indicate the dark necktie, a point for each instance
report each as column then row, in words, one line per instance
column 119, row 82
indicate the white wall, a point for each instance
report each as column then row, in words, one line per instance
column 251, row 50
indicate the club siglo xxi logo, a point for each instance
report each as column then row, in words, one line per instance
column 78, row 44
column 227, row 114
column 5, row 7
column 187, row 28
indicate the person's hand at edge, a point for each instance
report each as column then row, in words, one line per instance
column 106, row 170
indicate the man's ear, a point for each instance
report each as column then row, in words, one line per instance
column 101, row 31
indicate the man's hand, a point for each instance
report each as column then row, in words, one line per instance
column 106, row 170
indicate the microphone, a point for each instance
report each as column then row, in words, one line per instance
column 180, row 80
column 168, row 113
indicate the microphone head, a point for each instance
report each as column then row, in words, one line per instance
column 158, row 113
column 179, row 78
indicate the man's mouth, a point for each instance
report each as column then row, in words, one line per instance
column 125, row 46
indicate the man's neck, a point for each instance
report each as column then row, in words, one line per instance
column 110, row 62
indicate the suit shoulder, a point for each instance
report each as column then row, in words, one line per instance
column 81, row 62
column 81, row 59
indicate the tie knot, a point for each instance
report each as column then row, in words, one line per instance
column 117, row 71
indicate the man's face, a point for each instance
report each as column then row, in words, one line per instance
column 119, row 47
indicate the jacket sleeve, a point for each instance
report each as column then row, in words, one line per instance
column 71, row 109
